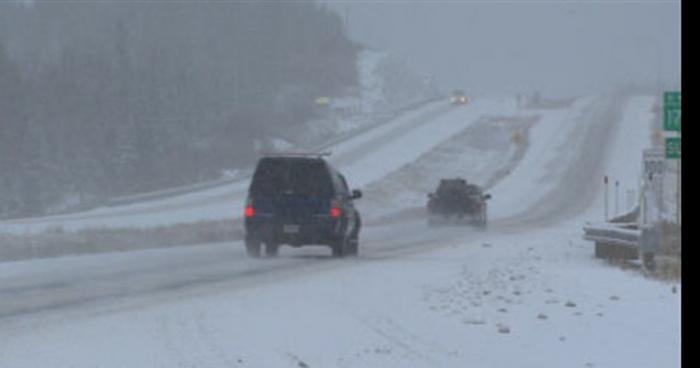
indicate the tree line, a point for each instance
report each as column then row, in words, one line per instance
column 102, row 99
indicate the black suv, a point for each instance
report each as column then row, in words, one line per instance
column 300, row 200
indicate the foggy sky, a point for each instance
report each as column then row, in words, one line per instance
column 503, row 47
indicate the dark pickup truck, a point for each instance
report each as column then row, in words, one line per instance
column 457, row 202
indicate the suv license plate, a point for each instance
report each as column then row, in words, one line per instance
column 290, row 229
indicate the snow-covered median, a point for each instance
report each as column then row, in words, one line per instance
column 363, row 158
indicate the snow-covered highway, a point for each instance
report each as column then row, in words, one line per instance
column 524, row 293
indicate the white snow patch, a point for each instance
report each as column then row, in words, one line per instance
column 544, row 161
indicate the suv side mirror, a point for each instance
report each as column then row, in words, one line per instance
column 487, row 196
column 356, row 193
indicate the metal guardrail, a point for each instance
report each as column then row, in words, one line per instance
column 624, row 241
column 613, row 242
column 171, row 192
column 296, row 154
column 614, row 235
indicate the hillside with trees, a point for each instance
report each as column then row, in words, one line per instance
column 101, row 99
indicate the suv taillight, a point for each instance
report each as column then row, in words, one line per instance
column 249, row 210
column 336, row 211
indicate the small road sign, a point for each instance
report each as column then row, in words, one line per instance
column 672, row 119
column 672, row 99
column 653, row 162
column 673, row 147
column 672, row 111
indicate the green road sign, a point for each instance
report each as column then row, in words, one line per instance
column 672, row 119
column 672, row 99
column 673, row 147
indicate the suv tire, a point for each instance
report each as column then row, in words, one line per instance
column 340, row 247
column 355, row 238
column 353, row 246
column 272, row 249
column 253, row 247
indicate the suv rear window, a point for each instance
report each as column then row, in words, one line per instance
column 274, row 177
column 451, row 186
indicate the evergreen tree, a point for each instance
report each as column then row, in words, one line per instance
column 100, row 99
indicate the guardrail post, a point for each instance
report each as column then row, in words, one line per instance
column 649, row 243
column 617, row 189
column 629, row 202
column 605, row 180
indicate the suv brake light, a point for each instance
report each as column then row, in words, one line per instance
column 336, row 212
column 249, row 210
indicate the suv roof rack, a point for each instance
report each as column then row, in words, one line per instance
column 297, row 154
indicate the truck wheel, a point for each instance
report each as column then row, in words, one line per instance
column 253, row 246
column 482, row 222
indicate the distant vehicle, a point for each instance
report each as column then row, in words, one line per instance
column 459, row 97
column 456, row 201
column 300, row 200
